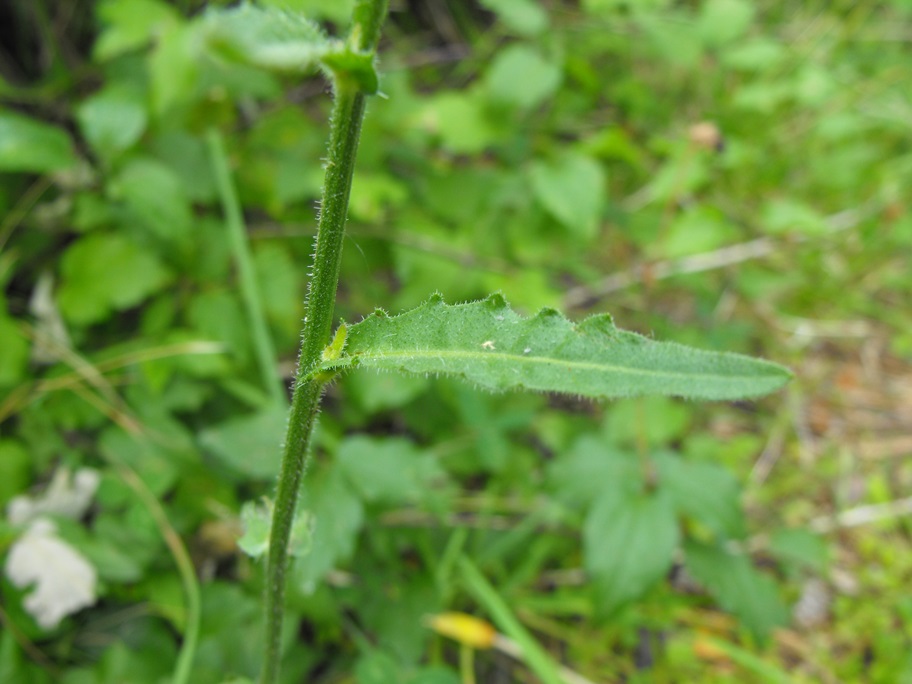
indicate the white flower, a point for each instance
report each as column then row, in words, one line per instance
column 66, row 495
column 64, row 580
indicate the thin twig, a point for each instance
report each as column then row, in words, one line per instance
column 15, row 215
column 769, row 457
column 862, row 515
column 706, row 261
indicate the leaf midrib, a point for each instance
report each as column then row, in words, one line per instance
column 544, row 360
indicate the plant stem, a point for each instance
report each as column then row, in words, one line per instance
column 234, row 219
column 345, row 131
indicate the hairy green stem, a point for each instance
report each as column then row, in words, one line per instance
column 237, row 235
column 345, row 132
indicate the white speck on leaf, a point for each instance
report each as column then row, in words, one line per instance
column 527, row 350
column 64, row 580
column 487, row 344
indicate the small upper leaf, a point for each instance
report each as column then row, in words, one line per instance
column 266, row 37
column 279, row 40
column 489, row 344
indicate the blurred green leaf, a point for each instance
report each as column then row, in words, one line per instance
column 278, row 164
column 572, row 188
column 786, row 215
column 338, row 516
column 16, row 349
column 459, row 119
column 112, row 563
column 174, row 69
column 218, row 315
column 698, row 229
column 374, row 195
column 280, row 285
column 102, row 273
column 230, row 633
column 394, row 606
column 388, row 470
column 520, row 77
column 113, row 119
column 525, row 17
column 15, row 666
column 754, row 54
column 653, row 421
column 724, row 21
column 675, row 39
column 435, row 675
column 801, row 549
column 147, row 660
column 186, row 157
column 130, row 24
column 738, row 587
column 581, row 475
column 377, row 667
column 383, row 391
column 132, row 531
column 156, row 464
column 337, row 11
column 33, row 146
column 155, row 197
column 629, row 540
column 15, row 463
column 706, row 492
column 248, row 443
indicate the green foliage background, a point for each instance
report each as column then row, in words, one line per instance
column 552, row 151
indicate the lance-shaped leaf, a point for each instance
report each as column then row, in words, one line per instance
column 489, row 344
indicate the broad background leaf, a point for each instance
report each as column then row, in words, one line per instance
column 738, row 587
column 388, row 470
column 705, row 492
column 29, row 145
column 248, row 444
column 629, row 541
column 338, row 517
column 104, row 273
column 572, row 188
